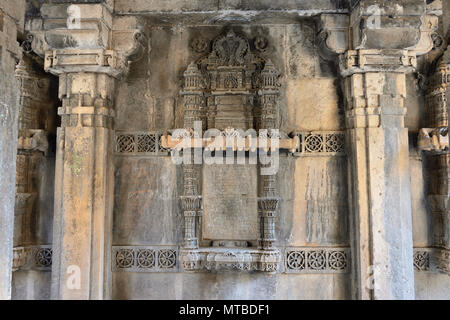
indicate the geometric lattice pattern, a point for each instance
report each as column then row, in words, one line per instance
column 421, row 260
column 317, row 260
column 145, row 259
column 140, row 143
column 326, row 143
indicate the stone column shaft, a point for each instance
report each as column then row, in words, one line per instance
column 84, row 187
column 379, row 173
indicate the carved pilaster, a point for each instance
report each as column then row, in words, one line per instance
column 88, row 54
column 269, row 94
column 32, row 145
column 434, row 141
column 194, row 101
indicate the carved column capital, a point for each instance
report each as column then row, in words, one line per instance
column 333, row 35
column 85, row 37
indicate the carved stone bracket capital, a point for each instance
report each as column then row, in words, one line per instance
column 332, row 39
column 83, row 60
column 377, row 60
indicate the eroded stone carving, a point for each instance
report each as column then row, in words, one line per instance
column 231, row 88
column 145, row 259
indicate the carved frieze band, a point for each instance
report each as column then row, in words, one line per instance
column 327, row 143
column 33, row 258
column 317, row 260
column 432, row 260
column 140, row 143
column 145, row 259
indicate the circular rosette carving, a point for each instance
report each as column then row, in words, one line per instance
column 167, row 259
column 296, row 260
column 125, row 258
column 317, row 260
column 314, row 143
column 146, row 258
column 337, row 260
column 43, row 257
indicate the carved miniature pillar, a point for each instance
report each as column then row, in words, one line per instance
column 191, row 201
column 194, row 110
column 11, row 22
column 194, row 101
column 84, row 185
column 268, row 201
column 375, row 91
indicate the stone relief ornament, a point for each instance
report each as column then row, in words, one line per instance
column 261, row 43
column 200, row 45
column 145, row 259
column 317, row 260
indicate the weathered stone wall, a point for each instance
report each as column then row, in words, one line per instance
column 12, row 16
column 314, row 222
column 313, row 210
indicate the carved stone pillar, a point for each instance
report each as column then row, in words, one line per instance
column 88, row 48
column 11, row 22
column 268, row 120
column 379, row 172
column 84, row 185
column 384, row 38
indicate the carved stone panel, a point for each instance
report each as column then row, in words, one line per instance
column 230, row 202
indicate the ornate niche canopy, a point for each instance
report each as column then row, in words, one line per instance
column 229, row 210
column 230, row 87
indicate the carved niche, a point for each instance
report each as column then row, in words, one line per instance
column 230, row 87
column 229, row 224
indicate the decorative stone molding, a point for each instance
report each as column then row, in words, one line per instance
column 62, row 61
column 228, row 259
column 228, row 76
column 377, row 60
column 432, row 260
column 33, row 258
column 321, row 143
column 317, row 260
column 140, row 143
column 422, row 259
column 229, row 139
column 96, row 41
column 33, row 140
column 145, row 259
